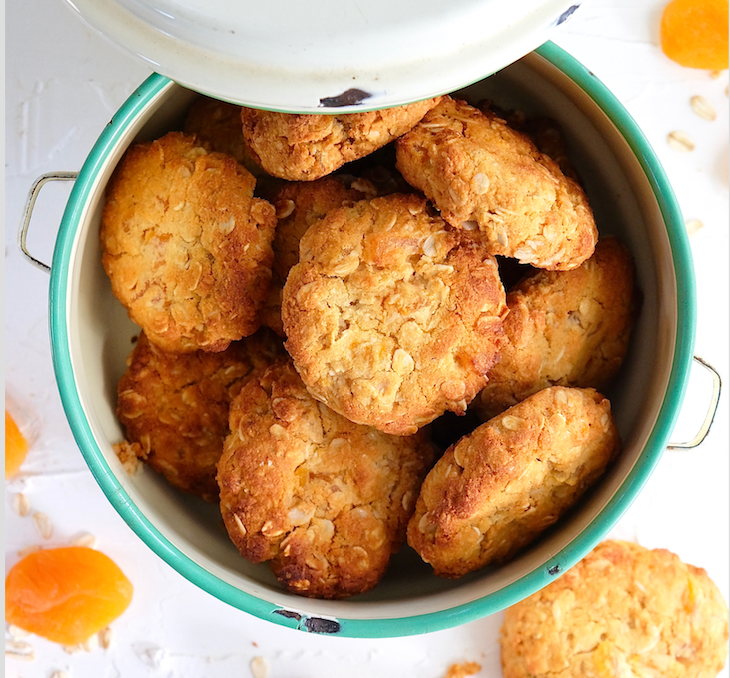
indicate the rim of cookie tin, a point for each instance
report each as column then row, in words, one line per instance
column 310, row 57
column 60, row 302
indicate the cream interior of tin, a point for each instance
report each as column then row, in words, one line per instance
column 624, row 205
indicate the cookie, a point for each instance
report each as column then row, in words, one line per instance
column 486, row 177
column 304, row 147
column 186, row 246
column 174, row 407
column 217, row 126
column 624, row 610
column 298, row 205
column 567, row 328
column 391, row 317
column 500, row 487
column 324, row 500
column 546, row 133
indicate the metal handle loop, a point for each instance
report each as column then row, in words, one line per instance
column 709, row 417
column 28, row 212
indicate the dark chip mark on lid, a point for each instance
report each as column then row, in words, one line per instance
column 566, row 15
column 349, row 97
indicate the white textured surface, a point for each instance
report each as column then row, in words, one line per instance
column 63, row 83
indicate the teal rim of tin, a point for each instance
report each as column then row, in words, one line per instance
column 432, row 621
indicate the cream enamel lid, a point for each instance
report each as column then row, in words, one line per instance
column 321, row 55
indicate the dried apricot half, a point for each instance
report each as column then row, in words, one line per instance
column 694, row 33
column 16, row 446
column 65, row 594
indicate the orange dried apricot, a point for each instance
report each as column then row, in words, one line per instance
column 65, row 594
column 694, row 33
column 16, row 446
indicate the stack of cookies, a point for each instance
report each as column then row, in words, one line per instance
column 317, row 294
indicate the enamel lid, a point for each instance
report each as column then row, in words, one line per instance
column 315, row 55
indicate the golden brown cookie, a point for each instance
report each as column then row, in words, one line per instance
column 484, row 176
column 463, row 670
column 392, row 317
column 298, row 205
column 549, row 139
column 217, row 126
column 325, row 500
column 186, row 245
column 304, row 147
column 568, row 328
column 546, row 133
column 498, row 488
column 624, row 610
column 174, row 407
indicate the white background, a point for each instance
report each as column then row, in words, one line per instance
column 63, row 83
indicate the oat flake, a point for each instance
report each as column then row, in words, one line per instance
column 18, row 649
column 693, row 225
column 21, row 504
column 86, row 539
column 16, row 632
column 105, row 637
column 90, row 644
column 680, row 141
column 259, row 667
column 702, row 107
column 43, row 524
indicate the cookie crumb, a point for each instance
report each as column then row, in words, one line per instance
column 463, row 670
column 128, row 457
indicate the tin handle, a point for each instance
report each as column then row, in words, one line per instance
column 709, row 417
column 35, row 190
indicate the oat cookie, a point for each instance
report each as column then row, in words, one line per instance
column 546, row 133
column 497, row 489
column 624, row 610
column 324, row 500
column 568, row 328
column 486, row 177
column 304, row 147
column 298, row 205
column 392, row 317
column 174, row 407
column 186, row 245
column 217, row 126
